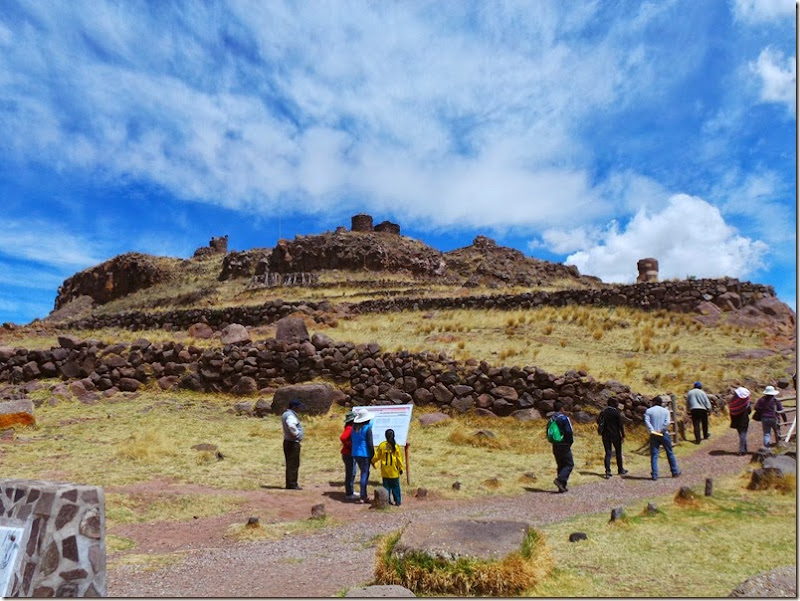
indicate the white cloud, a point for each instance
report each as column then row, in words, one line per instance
column 763, row 11
column 46, row 243
column 688, row 237
column 778, row 77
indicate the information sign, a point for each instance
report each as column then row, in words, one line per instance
column 10, row 538
column 394, row 417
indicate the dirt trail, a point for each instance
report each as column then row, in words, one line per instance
column 319, row 564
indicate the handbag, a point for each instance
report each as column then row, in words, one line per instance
column 757, row 414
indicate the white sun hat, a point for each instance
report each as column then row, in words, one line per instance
column 362, row 415
column 742, row 392
column 770, row 391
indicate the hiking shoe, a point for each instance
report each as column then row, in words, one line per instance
column 676, row 474
column 351, row 497
column 560, row 485
column 607, row 475
column 622, row 472
column 655, row 478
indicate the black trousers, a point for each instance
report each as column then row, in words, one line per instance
column 291, row 452
column 564, row 462
column 608, row 442
column 700, row 418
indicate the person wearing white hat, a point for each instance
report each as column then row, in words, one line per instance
column 362, row 448
column 739, row 409
column 768, row 407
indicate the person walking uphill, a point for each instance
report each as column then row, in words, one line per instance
column 292, row 437
column 610, row 427
column 363, row 449
column 559, row 434
column 767, row 408
column 390, row 456
column 347, row 456
column 739, row 408
column 699, row 407
column 656, row 418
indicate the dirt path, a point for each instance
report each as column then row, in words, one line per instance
column 319, row 564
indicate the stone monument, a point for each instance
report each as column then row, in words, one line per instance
column 648, row 270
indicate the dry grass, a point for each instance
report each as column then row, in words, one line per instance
column 618, row 558
column 426, row 575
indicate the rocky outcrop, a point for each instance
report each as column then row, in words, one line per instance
column 115, row 278
column 485, row 263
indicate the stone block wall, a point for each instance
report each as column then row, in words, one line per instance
column 367, row 374
column 361, row 223
column 62, row 552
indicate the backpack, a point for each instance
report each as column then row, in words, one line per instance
column 554, row 434
column 601, row 422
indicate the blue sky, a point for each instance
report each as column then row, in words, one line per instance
column 591, row 133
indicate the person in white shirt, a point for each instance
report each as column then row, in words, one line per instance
column 292, row 437
column 656, row 418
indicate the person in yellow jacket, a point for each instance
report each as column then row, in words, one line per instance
column 390, row 456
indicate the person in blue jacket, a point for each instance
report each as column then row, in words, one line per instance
column 363, row 449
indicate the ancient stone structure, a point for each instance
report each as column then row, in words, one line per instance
column 361, row 223
column 388, row 227
column 648, row 270
column 217, row 246
column 685, row 296
column 242, row 264
column 62, row 549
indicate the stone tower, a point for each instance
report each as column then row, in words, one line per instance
column 648, row 270
column 361, row 223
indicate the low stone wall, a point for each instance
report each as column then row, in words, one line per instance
column 62, row 552
column 681, row 296
column 369, row 375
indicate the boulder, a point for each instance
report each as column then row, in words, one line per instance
column 291, row 329
column 783, row 464
column 235, row 333
column 526, row 415
column 200, row 330
column 432, row 418
column 245, row 386
column 316, row 398
column 473, row 539
column 16, row 413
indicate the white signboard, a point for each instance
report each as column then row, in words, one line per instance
column 394, row 417
column 10, row 539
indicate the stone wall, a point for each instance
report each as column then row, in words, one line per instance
column 62, row 552
column 367, row 374
column 361, row 223
column 683, row 296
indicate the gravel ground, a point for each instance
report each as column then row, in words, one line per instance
column 322, row 563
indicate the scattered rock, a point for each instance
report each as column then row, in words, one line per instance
column 422, row 493
column 380, row 498
column 292, row 329
column 316, row 398
column 432, row 418
column 576, row 536
column 318, row 510
column 780, row 582
column 617, row 514
column 201, row 330
column 380, row 591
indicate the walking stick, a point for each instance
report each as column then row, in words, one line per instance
column 408, row 469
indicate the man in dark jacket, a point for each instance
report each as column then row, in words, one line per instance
column 610, row 427
column 562, row 450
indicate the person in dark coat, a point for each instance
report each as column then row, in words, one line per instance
column 739, row 408
column 610, row 427
column 562, row 451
